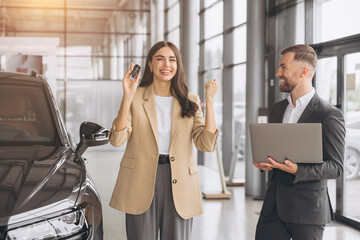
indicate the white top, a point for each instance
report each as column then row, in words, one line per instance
column 292, row 114
column 163, row 112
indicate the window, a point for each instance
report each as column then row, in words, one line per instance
column 327, row 27
column 172, row 22
column 218, row 59
column 240, row 44
column 211, row 60
column 326, row 79
column 240, row 12
column 213, row 20
column 352, row 152
column 213, row 53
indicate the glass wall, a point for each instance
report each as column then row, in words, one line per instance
column 84, row 49
column 352, row 115
column 239, row 83
column 326, row 79
column 172, row 22
column 327, row 27
column 211, row 60
column 326, row 87
column 338, row 81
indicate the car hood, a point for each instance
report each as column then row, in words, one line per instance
column 33, row 178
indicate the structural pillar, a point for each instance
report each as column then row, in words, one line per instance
column 201, row 91
column 227, row 86
column 255, row 89
column 189, row 38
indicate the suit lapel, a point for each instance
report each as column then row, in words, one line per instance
column 278, row 118
column 175, row 120
column 313, row 104
column 150, row 109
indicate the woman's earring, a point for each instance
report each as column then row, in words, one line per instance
column 150, row 70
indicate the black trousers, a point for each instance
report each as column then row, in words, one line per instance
column 271, row 227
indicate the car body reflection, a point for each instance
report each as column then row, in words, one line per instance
column 46, row 192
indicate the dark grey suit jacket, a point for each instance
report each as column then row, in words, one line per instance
column 303, row 198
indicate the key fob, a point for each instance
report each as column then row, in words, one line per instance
column 135, row 72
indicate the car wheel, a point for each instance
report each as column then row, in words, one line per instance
column 352, row 163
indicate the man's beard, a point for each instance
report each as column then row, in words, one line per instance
column 286, row 87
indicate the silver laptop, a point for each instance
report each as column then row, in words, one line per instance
column 298, row 142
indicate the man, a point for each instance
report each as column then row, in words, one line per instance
column 297, row 204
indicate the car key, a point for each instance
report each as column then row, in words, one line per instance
column 135, row 72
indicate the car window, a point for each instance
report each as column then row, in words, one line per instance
column 25, row 116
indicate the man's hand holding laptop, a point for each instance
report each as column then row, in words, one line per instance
column 287, row 166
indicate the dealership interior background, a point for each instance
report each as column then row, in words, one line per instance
column 84, row 47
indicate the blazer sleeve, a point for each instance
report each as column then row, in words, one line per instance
column 333, row 151
column 118, row 138
column 204, row 140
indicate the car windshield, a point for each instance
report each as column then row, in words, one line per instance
column 25, row 117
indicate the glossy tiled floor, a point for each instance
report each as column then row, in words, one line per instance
column 223, row 219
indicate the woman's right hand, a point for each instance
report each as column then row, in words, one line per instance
column 129, row 88
column 129, row 85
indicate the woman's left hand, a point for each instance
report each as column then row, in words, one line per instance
column 210, row 89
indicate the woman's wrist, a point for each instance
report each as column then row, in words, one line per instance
column 209, row 101
column 124, row 106
column 126, row 101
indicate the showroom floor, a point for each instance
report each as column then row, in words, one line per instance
column 222, row 219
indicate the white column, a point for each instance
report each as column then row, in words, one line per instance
column 227, row 86
column 255, row 88
column 189, row 38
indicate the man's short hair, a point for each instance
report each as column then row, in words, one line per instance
column 303, row 53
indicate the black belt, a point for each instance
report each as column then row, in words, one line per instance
column 164, row 159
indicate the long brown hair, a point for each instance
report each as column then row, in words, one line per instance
column 178, row 88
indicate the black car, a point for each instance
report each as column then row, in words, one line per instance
column 45, row 190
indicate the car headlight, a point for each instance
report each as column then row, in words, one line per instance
column 59, row 227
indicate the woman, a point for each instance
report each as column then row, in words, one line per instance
column 158, row 186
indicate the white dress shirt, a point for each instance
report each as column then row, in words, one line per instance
column 163, row 113
column 293, row 113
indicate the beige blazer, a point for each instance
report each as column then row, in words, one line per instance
column 134, row 188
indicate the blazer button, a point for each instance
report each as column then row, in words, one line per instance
column 174, row 181
column 172, row 159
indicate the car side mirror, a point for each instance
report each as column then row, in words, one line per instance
column 91, row 134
